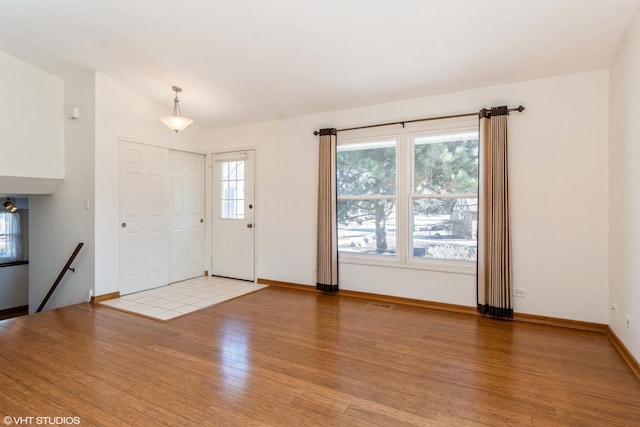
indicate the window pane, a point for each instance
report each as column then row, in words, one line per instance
column 225, row 209
column 9, row 236
column 446, row 164
column 232, row 189
column 367, row 226
column 232, row 192
column 232, row 209
column 240, row 170
column 240, row 190
column 365, row 169
column 233, row 166
column 445, row 228
column 224, row 170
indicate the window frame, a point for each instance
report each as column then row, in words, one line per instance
column 405, row 171
column 415, row 196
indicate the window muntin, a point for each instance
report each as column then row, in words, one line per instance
column 232, row 189
column 444, row 198
column 367, row 201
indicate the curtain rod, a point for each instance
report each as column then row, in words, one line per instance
column 519, row 109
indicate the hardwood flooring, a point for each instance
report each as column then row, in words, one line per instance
column 281, row 357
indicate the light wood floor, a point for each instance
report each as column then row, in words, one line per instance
column 282, row 357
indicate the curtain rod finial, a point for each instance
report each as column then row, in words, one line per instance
column 520, row 109
column 316, row 133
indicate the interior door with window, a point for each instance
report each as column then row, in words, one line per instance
column 233, row 224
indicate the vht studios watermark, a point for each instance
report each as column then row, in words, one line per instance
column 41, row 421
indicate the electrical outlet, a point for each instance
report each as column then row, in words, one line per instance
column 628, row 320
column 519, row 293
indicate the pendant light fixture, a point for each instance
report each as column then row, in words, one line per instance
column 10, row 206
column 176, row 122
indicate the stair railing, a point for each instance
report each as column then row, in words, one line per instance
column 66, row 267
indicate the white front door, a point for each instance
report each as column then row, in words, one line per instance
column 186, row 255
column 144, row 241
column 233, row 215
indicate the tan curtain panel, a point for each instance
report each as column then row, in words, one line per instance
column 494, row 279
column 327, row 280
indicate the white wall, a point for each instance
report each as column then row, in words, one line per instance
column 121, row 113
column 14, row 286
column 559, row 188
column 33, row 149
column 625, row 190
column 58, row 222
column 108, row 111
column 31, row 115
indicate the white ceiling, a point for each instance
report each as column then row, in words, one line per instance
column 242, row 61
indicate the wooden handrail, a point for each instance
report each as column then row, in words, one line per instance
column 67, row 266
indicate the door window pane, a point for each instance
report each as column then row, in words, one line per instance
column 232, row 189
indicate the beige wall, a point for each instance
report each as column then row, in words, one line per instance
column 624, row 199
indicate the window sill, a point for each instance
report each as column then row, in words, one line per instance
column 12, row 263
column 457, row 267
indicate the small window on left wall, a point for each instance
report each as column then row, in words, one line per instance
column 13, row 236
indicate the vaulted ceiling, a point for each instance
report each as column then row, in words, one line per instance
column 242, row 61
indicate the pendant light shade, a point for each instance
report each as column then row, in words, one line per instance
column 8, row 205
column 176, row 122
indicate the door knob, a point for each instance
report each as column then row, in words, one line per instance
column 249, row 225
column 124, row 225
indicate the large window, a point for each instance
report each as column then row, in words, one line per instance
column 410, row 197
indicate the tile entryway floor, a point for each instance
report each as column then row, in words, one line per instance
column 181, row 298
